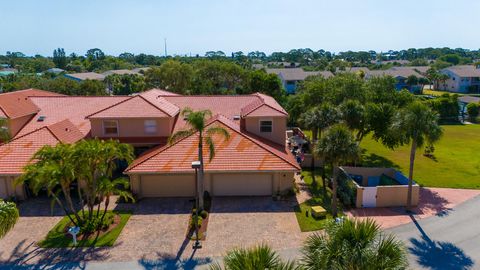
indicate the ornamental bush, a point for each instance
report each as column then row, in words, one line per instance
column 8, row 216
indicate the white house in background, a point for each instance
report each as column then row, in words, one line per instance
column 461, row 79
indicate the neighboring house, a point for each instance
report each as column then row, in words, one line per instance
column 418, row 69
column 254, row 161
column 8, row 71
column 55, row 70
column 461, row 79
column 122, row 72
column 463, row 101
column 365, row 70
column 401, row 75
column 85, row 76
column 290, row 77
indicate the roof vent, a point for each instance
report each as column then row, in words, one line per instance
column 236, row 117
column 41, row 118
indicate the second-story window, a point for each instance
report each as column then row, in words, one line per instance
column 150, row 126
column 265, row 126
column 110, row 127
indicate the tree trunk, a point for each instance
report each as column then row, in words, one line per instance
column 80, row 198
column 107, row 202
column 334, row 189
column 68, row 198
column 200, row 173
column 312, row 147
column 63, row 207
column 410, row 174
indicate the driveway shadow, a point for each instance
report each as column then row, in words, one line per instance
column 438, row 254
column 28, row 256
column 39, row 207
column 153, row 206
column 252, row 205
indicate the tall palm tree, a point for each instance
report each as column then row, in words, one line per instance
column 354, row 245
column 318, row 119
column 196, row 121
column 337, row 146
column 259, row 257
column 417, row 124
column 8, row 217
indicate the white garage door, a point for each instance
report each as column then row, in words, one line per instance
column 167, row 185
column 242, row 185
column 3, row 188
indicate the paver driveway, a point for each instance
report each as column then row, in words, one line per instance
column 248, row 221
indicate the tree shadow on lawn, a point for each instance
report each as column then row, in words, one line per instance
column 438, row 254
column 374, row 160
column 29, row 256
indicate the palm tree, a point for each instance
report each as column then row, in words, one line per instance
column 109, row 187
column 259, row 257
column 337, row 146
column 318, row 119
column 417, row 124
column 54, row 172
column 196, row 121
column 8, row 217
column 355, row 245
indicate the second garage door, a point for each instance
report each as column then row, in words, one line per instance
column 242, row 184
column 167, row 185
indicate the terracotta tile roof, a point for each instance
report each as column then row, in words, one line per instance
column 18, row 103
column 18, row 152
column 229, row 106
column 242, row 152
column 161, row 92
column 75, row 109
column 146, row 104
column 66, row 132
column 262, row 102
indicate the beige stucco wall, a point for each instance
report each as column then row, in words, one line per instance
column 307, row 161
column 389, row 196
column 8, row 189
column 279, row 128
column 133, row 127
column 366, row 172
column 15, row 125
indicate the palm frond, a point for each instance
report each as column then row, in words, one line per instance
column 211, row 147
column 220, row 131
column 179, row 135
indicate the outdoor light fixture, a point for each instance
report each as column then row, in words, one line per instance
column 196, row 165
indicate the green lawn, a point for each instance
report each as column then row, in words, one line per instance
column 56, row 237
column 309, row 223
column 456, row 163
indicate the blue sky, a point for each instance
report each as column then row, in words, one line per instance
column 195, row 26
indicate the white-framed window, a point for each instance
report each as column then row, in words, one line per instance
column 150, row 126
column 110, row 127
column 266, row 126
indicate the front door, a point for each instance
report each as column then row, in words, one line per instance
column 369, row 197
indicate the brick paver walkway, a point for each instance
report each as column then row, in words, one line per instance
column 433, row 201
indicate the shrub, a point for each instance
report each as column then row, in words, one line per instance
column 96, row 223
column 8, row 216
column 204, row 214
column 347, row 191
column 192, row 221
column 473, row 111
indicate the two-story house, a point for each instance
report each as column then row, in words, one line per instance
column 291, row 77
column 461, row 79
column 254, row 161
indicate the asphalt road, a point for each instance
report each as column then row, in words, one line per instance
column 450, row 241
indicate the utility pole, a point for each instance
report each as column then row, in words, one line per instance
column 165, row 47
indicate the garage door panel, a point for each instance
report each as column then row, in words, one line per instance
column 242, row 184
column 3, row 186
column 167, row 185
